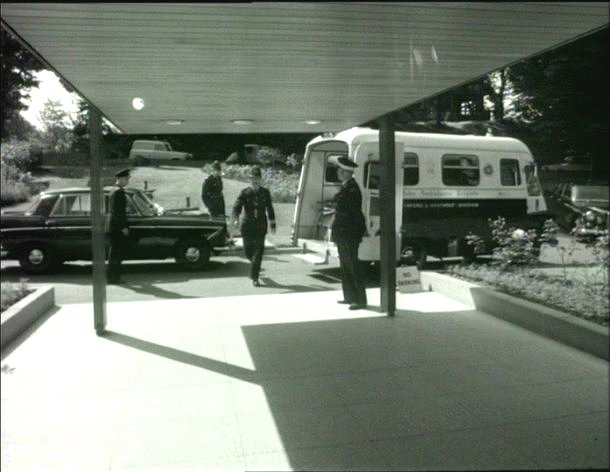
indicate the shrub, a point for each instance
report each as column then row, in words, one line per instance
column 513, row 246
column 14, row 182
column 268, row 156
column 281, row 184
column 581, row 298
column 21, row 154
column 12, row 293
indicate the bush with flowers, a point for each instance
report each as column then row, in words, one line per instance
column 281, row 183
column 511, row 271
column 12, row 293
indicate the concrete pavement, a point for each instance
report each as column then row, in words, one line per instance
column 294, row 382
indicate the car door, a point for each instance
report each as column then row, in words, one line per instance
column 69, row 226
column 144, row 235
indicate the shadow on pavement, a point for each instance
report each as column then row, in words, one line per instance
column 80, row 274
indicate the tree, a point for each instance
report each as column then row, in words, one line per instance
column 18, row 66
column 80, row 130
column 564, row 95
column 57, row 127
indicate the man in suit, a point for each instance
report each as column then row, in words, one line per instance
column 255, row 201
column 119, row 228
column 347, row 230
column 211, row 191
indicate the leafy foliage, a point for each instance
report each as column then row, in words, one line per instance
column 550, row 94
column 513, row 246
column 57, row 127
column 513, row 270
column 18, row 158
column 18, row 66
column 581, row 298
column 12, row 293
column 282, row 184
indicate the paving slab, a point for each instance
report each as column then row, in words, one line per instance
column 298, row 382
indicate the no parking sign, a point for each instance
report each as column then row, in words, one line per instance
column 407, row 279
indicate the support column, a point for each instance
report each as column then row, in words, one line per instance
column 387, row 197
column 97, row 221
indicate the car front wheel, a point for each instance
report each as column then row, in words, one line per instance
column 37, row 259
column 192, row 255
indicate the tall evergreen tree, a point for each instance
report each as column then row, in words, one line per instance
column 18, row 67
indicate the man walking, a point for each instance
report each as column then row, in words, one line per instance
column 347, row 230
column 119, row 228
column 255, row 200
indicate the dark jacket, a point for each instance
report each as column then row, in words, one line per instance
column 348, row 223
column 211, row 195
column 257, row 206
column 118, row 215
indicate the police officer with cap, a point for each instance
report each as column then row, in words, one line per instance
column 255, row 201
column 119, row 228
column 347, row 230
column 211, row 191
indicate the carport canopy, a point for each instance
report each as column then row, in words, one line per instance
column 286, row 67
column 280, row 67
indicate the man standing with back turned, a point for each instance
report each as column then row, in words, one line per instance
column 347, row 230
column 119, row 228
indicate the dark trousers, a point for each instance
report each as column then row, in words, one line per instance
column 254, row 247
column 352, row 275
column 119, row 244
column 216, row 207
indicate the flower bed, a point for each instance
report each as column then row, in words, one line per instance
column 12, row 293
column 585, row 299
column 282, row 184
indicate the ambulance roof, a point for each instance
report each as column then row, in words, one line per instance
column 355, row 136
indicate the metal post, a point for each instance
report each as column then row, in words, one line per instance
column 97, row 221
column 387, row 197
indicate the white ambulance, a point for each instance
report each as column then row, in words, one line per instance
column 447, row 186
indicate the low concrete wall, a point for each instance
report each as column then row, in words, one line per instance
column 554, row 324
column 24, row 313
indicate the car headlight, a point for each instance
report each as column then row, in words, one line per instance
column 590, row 216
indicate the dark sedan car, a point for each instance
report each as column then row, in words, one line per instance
column 580, row 208
column 57, row 228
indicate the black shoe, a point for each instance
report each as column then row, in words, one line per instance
column 256, row 283
column 357, row 306
column 344, row 302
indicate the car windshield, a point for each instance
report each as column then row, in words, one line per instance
column 590, row 192
column 145, row 205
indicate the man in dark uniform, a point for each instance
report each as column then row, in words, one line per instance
column 119, row 229
column 347, row 230
column 211, row 191
column 256, row 203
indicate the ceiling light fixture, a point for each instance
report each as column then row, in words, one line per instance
column 174, row 122
column 242, row 122
column 137, row 103
column 312, row 122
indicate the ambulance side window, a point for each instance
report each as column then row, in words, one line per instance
column 410, row 169
column 509, row 172
column 461, row 170
column 330, row 172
